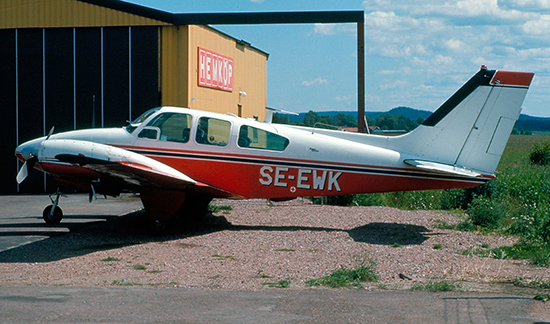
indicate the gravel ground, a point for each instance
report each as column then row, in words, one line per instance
column 256, row 244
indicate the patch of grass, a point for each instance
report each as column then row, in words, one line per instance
column 122, row 282
column 344, row 277
column 110, row 259
column 285, row 250
column 260, row 274
column 435, row 286
column 217, row 209
column 223, row 257
column 279, row 284
column 542, row 297
column 139, row 267
column 395, row 245
column 154, row 271
column 437, row 246
column 534, row 283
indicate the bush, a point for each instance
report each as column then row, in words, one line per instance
column 486, row 212
column 374, row 199
column 540, row 154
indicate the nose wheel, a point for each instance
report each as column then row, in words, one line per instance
column 52, row 214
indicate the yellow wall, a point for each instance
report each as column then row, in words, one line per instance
column 174, row 66
column 249, row 75
column 64, row 13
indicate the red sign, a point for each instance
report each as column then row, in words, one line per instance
column 215, row 70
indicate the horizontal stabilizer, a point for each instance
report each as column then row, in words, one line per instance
column 440, row 167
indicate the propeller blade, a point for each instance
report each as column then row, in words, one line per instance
column 24, row 171
column 50, row 133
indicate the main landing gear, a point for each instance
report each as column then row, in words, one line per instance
column 52, row 214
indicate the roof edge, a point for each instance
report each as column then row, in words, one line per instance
column 135, row 9
column 234, row 18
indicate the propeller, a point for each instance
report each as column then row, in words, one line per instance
column 31, row 161
column 24, row 171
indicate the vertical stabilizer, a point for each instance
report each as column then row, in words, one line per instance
column 471, row 128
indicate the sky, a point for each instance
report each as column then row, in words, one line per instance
column 417, row 53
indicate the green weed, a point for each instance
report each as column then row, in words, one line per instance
column 223, row 257
column 122, row 282
column 216, row 208
column 344, row 277
column 260, row 274
column 435, row 286
column 139, row 267
column 110, row 259
column 279, row 284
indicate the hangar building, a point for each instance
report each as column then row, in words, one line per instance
column 77, row 64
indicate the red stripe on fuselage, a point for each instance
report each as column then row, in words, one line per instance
column 273, row 177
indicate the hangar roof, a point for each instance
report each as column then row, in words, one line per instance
column 293, row 17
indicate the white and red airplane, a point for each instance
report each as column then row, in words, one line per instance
column 179, row 159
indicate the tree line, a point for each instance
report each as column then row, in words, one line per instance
column 382, row 122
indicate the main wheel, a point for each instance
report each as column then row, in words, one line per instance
column 52, row 218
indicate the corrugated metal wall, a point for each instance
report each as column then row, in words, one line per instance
column 65, row 13
column 71, row 78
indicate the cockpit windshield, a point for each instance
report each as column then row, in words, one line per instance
column 136, row 122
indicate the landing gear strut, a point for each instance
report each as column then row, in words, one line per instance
column 52, row 214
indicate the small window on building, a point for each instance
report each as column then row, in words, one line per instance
column 260, row 139
column 174, row 127
column 213, row 131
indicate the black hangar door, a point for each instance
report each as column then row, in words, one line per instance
column 71, row 78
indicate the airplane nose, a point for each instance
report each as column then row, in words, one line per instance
column 28, row 149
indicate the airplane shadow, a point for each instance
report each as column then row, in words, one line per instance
column 121, row 231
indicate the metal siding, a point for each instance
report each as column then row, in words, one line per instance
column 65, row 13
column 249, row 75
column 8, row 164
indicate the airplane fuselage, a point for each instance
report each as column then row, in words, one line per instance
column 299, row 162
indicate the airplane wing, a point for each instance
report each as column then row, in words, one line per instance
column 132, row 170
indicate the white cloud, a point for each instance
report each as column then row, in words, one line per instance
column 540, row 26
column 334, row 29
column 442, row 43
column 317, row 81
column 342, row 98
column 324, row 29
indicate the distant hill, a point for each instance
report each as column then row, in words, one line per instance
column 525, row 122
column 411, row 113
column 532, row 123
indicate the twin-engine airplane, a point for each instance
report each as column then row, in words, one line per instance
column 179, row 159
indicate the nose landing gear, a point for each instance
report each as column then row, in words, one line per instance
column 52, row 214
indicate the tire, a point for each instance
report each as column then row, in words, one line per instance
column 54, row 218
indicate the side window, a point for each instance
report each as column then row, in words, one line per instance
column 174, row 127
column 213, row 131
column 260, row 139
column 149, row 132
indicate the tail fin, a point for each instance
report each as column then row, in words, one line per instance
column 471, row 128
